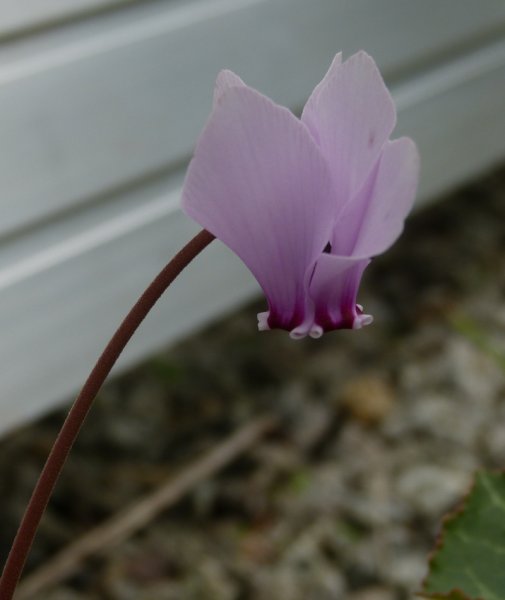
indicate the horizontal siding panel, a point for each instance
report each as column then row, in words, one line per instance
column 120, row 99
column 60, row 302
column 456, row 115
column 111, row 261
column 16, row 17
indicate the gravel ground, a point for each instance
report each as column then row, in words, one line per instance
column 381, row 432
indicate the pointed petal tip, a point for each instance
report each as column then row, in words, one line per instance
column 361, row 59
column 311, row 104
column 413, row 160
column 351, row 115
column 228, row 76
column 411, row 149
column 336, row 62
column 225, row 80
column 363, row 55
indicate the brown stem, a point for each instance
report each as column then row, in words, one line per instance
column 75, row 418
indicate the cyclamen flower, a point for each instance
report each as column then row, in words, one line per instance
column 305, row 203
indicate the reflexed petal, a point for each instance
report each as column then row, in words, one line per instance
column 259, row 183
column 224, row 81
column 374, row 219
column 392, row 198
column 334, row 289
column 351, row 118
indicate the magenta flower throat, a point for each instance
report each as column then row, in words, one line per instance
column 305, row 203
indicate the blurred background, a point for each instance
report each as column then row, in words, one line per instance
column 101, row 102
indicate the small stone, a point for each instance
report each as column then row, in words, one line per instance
column 493, row 438
column 372, row 593
column 439, row 416
column 257, row 547
column 215, row 581
column 368, row 398
column 432, row 489
column 474, row 372
column 406, row 570
column 302, row 581
column 323, row 490
column 312, row 423
column 66, row 594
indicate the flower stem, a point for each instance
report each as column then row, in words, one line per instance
column 75, row 418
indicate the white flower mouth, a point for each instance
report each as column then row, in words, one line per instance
column 263, row 321
column 312, row 329
column 361, row 321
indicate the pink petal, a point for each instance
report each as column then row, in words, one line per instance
column 351, row 117
column 224, row 81
column 260, row 184
column 334, row 288
column 374, row 219
column 311, row 104
column 392, row 198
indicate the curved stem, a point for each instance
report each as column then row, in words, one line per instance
column 75, row 418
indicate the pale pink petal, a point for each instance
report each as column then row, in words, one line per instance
column 224, row 81
column 374, row 219
column 259, row 183
column 351, row 117
column 334, row 288
column 391, row 200
column 311, row 104
column 348, row 224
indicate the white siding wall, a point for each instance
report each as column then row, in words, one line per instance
column 100, row 105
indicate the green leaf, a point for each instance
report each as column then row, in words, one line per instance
column 468, row 562
column 454, row 595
